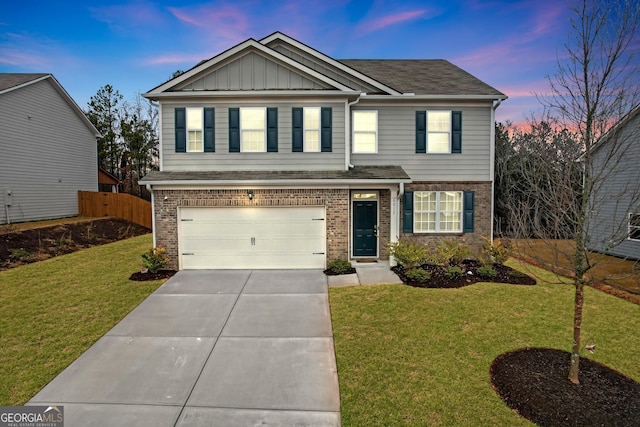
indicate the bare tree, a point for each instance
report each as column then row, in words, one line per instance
column 595, row 85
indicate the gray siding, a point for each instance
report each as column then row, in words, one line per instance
column 253, row 72
column 396, row 144
column 222, row 160
column 314, row 64
column 615, row 199
column 47, row 154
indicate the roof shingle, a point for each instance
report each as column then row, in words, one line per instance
column 9, row 80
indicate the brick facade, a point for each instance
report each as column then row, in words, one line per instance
column 336, row 202
column 482, row 212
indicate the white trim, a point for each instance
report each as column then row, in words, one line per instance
column 437, row 97
column 632, row 227
column 448, row 132
column 264, row 130
column 438, row 211
column 324, row 58
column 190, row 94
column 278, row 183
column 186, row 113
column 318, row 129
column 160, row 140
column 351, row 222
column 353, row 132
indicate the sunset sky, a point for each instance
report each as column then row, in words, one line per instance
column 134, row 45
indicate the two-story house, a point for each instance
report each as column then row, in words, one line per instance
column 275, row 155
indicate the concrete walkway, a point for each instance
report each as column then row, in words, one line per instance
column 211, row 348
column 367, row 273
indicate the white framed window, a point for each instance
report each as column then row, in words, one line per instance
column 195, row 119
column 311, row 129
column 253, row 134
column 634, row 226
column 437, row 211
column 365, row 131
column 438, row 131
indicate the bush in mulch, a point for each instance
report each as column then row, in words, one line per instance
column 338, row 267
column 472, row 272
column 143, row 276
column 534, row 382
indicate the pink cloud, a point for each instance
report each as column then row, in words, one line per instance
column 388, row 20
column 176, row 58
column 126, row 16
column 19, row 58
column 222, row 20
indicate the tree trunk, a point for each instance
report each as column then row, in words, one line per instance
column 577, row 326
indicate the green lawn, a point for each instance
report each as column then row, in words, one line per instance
column 409, row 356
column 53, row 310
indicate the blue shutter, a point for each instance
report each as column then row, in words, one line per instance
column 421, row 131
column 272, row 130
column 209, row 130
column 234, row 130
column 297, row 129
column 325, row 129
column 456, row 132
column 181, row 130
column 407, row 212
column 468, row 207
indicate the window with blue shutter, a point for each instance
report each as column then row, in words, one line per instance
column 297, row 130
column 468, row 211
column 234, row 130
column 456, row 132
column 407, row 212
column 181, row 130
column 272, row 130
column 209, row 130
column 325, row 129
column 421, row 131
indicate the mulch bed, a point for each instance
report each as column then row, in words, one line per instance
column 27, row 246
column 534, row 382
column 143, row 276
column 439, row 277
column 330, row 272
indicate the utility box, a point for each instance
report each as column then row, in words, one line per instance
column 8, row 198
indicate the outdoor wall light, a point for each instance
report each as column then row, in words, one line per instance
column 250, row 194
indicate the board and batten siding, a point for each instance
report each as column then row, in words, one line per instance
column 223, row 160
column 47, row 154
column 397, row 144
column 253, row 72
column 615, row 199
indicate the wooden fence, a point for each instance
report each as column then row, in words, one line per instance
column 119, row 205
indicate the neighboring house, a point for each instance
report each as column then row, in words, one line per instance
column 107, row 182
column 274, row 155
column 614, row 225
column 48, row 149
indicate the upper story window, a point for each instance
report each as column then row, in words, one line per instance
column 312, row 129
column 634, row 226
column 253, row 122
column 439, row 132
column 437, row 211
column 195, row 141
column 365, row 131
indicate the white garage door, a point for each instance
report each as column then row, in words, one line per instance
column 252, row 237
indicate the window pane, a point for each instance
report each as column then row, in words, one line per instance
column 450, row 221
column 311, row 140
column 425, row 201
column 439, row 121
column 252, row 118
column 365, row 121
column 195, row 141
column 424, row 221
column 634, row 220
column 194, row 118
column 253, row 140
column 364, row 143
column 438, row 143
column 450, row 201
column 634, row 226
column 312, row 118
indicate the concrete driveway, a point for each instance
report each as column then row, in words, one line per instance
column 211, row 348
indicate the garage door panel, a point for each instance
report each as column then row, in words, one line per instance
column 252, row 237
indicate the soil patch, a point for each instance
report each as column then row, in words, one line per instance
column 440, row 277
column 143, row 276
column 27, row 246
column 534, row 383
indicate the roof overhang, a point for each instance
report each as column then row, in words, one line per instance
column 254, row 94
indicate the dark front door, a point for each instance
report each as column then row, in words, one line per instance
column 365, row 228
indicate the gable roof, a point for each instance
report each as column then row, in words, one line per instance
column 423, row 76
column 10, row 82
column 635, row 111
column 426, row 78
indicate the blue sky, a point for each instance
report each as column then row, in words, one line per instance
column 134, row 45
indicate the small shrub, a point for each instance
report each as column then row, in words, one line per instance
column 451, row 252
column 496, row 252
column 20, row 254
column 155, row 259
column 487, row 272
column 407, row 253
column 418, row 275
column 454, row 272
column 340, row 266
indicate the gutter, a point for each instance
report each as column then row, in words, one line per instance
column 275, row 183
column 492, row 165
column 347, row 133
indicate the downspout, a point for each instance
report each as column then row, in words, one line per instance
column 492, row 166
column 153, row 213
column 347, row 133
